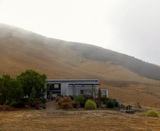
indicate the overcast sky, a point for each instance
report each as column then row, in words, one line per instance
column 127, row 26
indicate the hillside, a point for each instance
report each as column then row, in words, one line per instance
column 21, row 50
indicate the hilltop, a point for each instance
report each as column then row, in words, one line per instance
column 128, row 79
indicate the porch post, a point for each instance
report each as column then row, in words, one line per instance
column 99, row 99
column 92, row 90
column 73, row 90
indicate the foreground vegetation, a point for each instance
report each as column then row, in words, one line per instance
column 29, row 83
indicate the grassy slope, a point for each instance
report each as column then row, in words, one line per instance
column 21, row 50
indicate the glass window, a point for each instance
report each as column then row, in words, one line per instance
column 103, row 93
column 84, row 92
column 56, row 86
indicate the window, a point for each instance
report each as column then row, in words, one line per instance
column 84, row 92
column 56, row 86
column 103, row 92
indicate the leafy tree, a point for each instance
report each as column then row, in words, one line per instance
column 10, row 89
column 30, row 79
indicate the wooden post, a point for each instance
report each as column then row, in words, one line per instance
column 92, row 90
column 99, row 99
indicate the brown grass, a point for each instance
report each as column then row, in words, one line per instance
column 98, row 120
column 21, row 50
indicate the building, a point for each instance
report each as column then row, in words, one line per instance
column 67, row 87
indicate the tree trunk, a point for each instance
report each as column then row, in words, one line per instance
column 4, row 105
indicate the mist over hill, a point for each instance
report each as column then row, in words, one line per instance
column 140, row 67
column 58, row 59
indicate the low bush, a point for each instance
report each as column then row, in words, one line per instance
column 116, row 104
column 66, row 99
column 24, row 99
column 66, row 105
column 152, row 113
column 87, row 97
column 44, row 106
column 8, row 103
column 74, row 104
column 72, row 97
column 43, row 100
column 19, row 104
column 60, row 101
column 128, row 107
column 104, row 99
column 79, row 99
column 13, row 104
column 97, row 105
column 90, row 105
column 110, row 104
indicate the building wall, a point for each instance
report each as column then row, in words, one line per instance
column 67, row 89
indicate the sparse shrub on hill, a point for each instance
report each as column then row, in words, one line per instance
column 110, row 104
column 90, row 105
column 152, row 113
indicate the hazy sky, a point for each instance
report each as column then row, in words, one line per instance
column 128, row 26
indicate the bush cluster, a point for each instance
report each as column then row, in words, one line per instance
column 66, row 105
column 90, row 105
column 110, row 103
column 152, row 113
column 128, row 107
column 19, row 104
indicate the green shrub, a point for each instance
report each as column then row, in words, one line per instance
column 110, row 104
column 128, row 107
column 79, row 98
column 8, row 103
column 97, row 105
column 13, row 104
column 43, row 100
column 90, row 105
column 116, row 104
column 152, row 113
column 24, row 99
column 104, row 99
column 19, row 104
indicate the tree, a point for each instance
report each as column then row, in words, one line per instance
column 30, row 79
column 93, row 91
column 10, row 89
